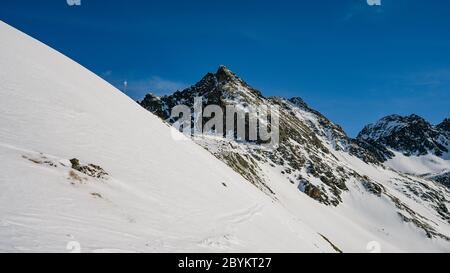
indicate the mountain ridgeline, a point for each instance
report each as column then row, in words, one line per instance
column 314, row 155
column 300, row 128
column 411, row 135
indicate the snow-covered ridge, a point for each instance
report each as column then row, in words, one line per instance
column 385, row 127
column 410, row 135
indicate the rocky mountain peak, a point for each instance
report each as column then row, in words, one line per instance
column 224, row 74
column 220, row 88
column 232, row 85
column 307, row 138
column 299, row 102
column 309, row 155
column 411, row 135
column 392, row 124
column 445, row 125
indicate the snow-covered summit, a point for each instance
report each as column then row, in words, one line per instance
column 410, row 135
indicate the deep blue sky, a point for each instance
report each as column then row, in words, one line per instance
column 353, row 62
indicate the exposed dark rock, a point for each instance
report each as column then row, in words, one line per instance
column 443, row 179
column 332, row 245
column 372, row 187
column 445, row 125
column 370, row 151
column 90, row 169
column 75, row 164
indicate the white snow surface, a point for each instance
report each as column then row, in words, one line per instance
column 418, row 165
column 161, row 194
column 362, row 218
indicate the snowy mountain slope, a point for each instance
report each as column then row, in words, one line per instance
column 337, row 185
column 157, row 194
column 418, row 165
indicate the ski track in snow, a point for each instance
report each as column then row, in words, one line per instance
column 229, row 223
